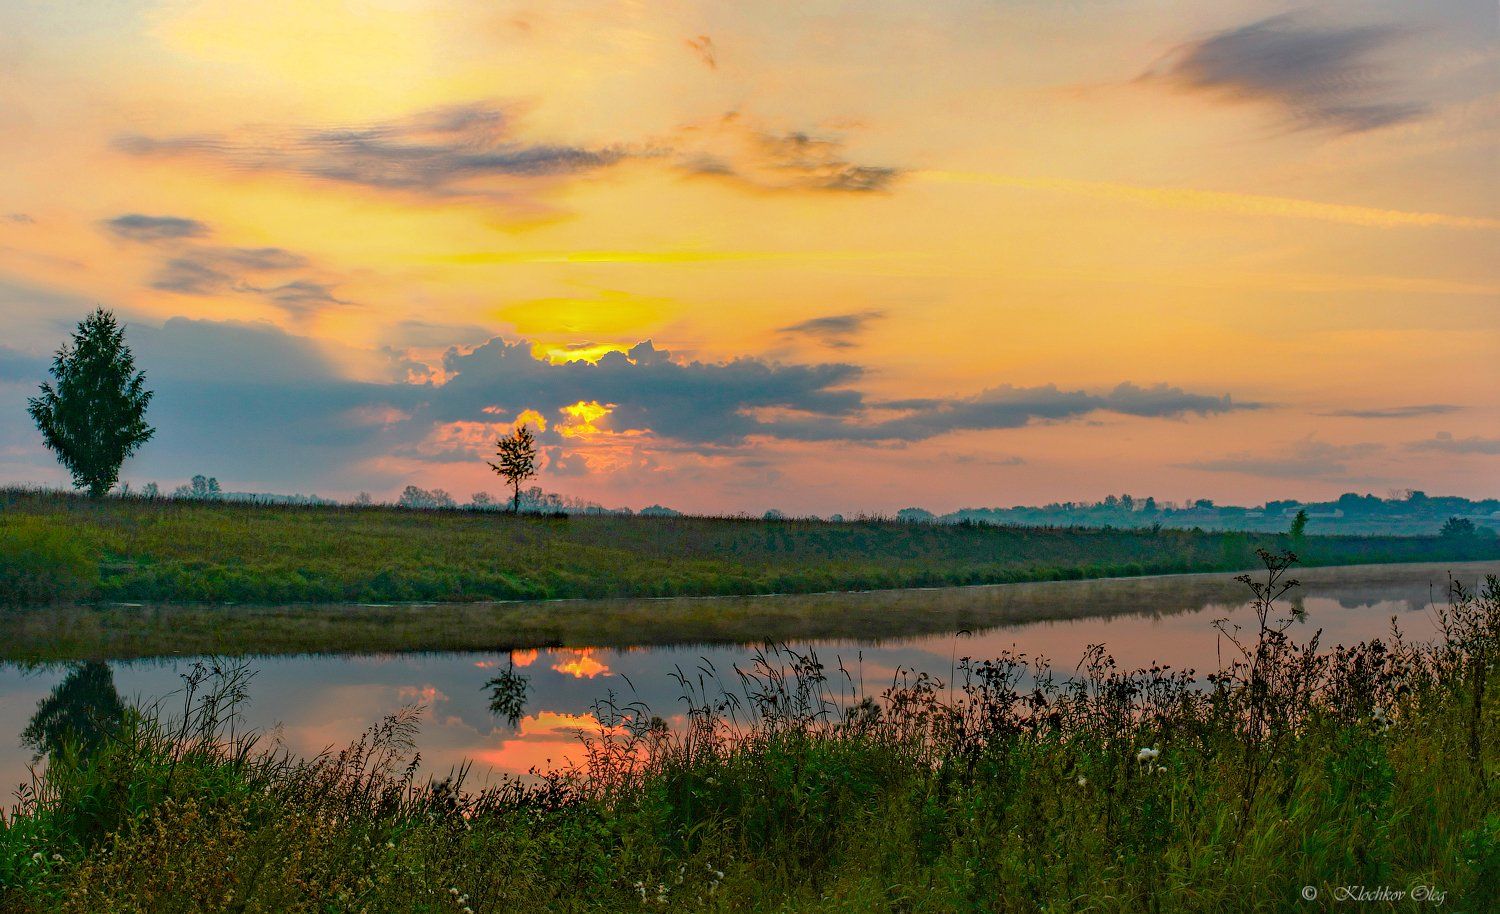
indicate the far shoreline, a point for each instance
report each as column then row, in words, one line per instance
column 123, row 631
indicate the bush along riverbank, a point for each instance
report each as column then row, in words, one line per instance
column 58, row 548
column 1294, row 772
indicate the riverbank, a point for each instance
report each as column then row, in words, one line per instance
column 1278, row 787
column 60, row 548
column 117, row 632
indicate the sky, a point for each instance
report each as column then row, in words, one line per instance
column 727, row 257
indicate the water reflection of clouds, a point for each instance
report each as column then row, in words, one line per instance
column 325, row 701
column 580, row 663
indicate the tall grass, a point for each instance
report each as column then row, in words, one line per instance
column 786, row 788
column 195, row 551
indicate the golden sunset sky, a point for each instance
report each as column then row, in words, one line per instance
column 813, row 256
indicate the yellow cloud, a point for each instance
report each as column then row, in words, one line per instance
column 610, row 313
column 532, row 417
column 581, row 417
column 591, row 352
column 1221, row 201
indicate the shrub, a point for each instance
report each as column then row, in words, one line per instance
column 42, row 563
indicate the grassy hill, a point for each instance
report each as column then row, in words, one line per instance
column 56, row 547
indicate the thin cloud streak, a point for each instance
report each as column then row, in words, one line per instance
column 1215, row 201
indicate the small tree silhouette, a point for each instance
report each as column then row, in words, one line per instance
column 1299, row 529
column 1458, row 528
column 95, row 416
column 516, row 454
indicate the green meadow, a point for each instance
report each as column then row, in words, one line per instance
column 59, row 548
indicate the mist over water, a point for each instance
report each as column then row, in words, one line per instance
column 312, row 702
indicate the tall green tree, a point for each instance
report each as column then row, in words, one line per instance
column 516, row 454
column 93, row 413
column 1299, row 529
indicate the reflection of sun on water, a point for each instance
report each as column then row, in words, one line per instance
column 523, row 658
column 580, row 664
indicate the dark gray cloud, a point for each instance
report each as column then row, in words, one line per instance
column 1322, row 77
column 1008, row 406
column 441, row 152
column 707, row 403
column 472, row 151
column 835, row 330
column 1396, row 412
column 190, row 276
column 725, row 403
column 230, row 394
column 19, row 218
column 1305, row 459
column 137, row 227
column 212, row 270
column 1446, row 443
column 230, row 270
column 301, row 296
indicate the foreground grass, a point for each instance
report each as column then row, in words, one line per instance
column 56, row 548
column 1368, row 767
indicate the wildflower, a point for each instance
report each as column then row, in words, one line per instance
column 37, row 857
column 390, row 845
column 1083, row 781
column 1147, row 755
column 453, row 891
column 1161, row 769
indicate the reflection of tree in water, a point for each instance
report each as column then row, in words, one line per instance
column 83, row 709
column 508, row 694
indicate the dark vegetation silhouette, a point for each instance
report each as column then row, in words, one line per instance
column 93, row 412
column 508, row 690
column 516, row 456
column 784, row 785
column 80, row 713
column 1458, row 528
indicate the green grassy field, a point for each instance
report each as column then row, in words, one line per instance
column 1294, row 776
column 61, row 548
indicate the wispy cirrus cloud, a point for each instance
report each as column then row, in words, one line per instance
column 1308, row 458
column 1395, row 412
column 1321, row 77
column 188, row 266
column 1446, row 443
column 139, row 227
column 215, row 270
column 736, row 148
column 446, row 151
column 836, row 331
column 476, row 151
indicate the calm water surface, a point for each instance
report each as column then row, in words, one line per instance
column 314, row 702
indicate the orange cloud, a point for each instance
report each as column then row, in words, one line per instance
column 580, row 664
